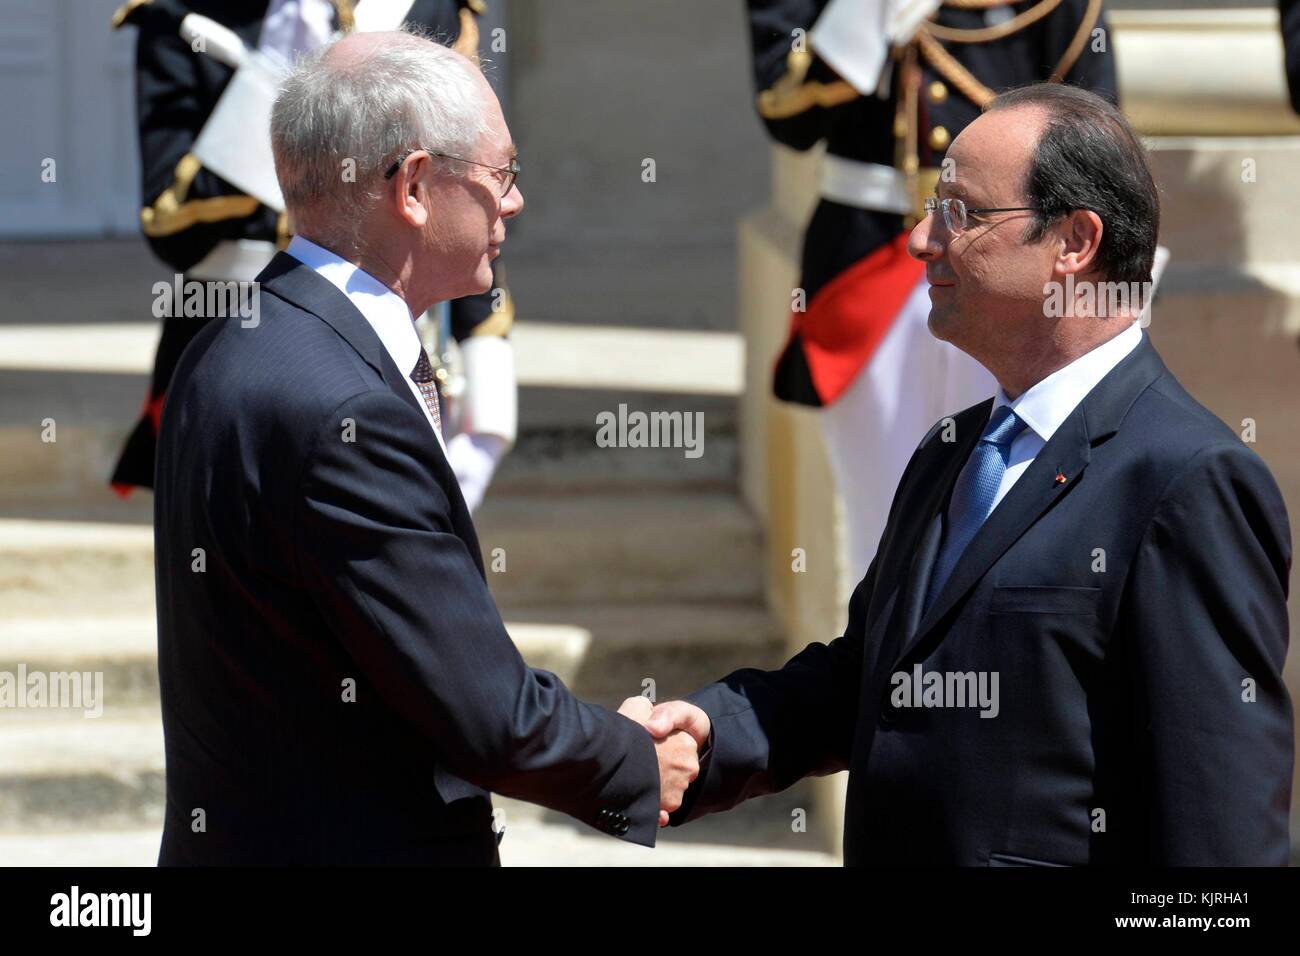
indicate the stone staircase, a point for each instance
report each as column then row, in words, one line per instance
column 621, row 566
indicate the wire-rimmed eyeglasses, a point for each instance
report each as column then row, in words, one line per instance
column 956, row 216
column 509, row 174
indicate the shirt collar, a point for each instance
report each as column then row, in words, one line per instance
column 1049, row 403
column 384, row 310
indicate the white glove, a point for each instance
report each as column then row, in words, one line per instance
column 474, row 457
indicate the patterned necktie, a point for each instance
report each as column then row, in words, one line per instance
column 975, row 492
column 422, row 375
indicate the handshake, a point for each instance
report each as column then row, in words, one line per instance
column 680, row 730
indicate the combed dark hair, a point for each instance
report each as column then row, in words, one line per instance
column 1088, row 157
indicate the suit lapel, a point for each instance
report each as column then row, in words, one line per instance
column 1066, row 456
column 291, row 280
column 921, row 539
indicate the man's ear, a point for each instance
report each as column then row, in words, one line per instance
column 413, row 177
column 1079, row 237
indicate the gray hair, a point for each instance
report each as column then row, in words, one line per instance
column 339, row 123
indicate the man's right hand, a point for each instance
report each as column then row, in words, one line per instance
column 676, row 748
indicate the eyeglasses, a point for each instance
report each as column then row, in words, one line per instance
column 510, row 173
column 956, row 216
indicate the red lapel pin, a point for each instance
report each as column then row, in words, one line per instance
column 1060, row 478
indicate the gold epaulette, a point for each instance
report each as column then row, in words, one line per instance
column 123, row 13
column 790, row 95
column 171, row 213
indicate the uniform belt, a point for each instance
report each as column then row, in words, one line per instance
column 239, row 260
column 864, row 185
column 876, row 187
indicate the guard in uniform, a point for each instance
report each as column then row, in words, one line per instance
column 206, row 229
column 860, row 349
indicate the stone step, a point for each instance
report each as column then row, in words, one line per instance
column 527, row 843
column 607, row 548
column 62, row 772
column 573, row 279
column 604, row 654
column 51, row 568
column 67, row 786
column 666, row 650
column 120, row 653
column 545, row 549
column 92, row 413
column 60, row 767
column 115, row 659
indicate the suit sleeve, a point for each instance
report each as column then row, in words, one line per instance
column 409, row 603
column 1206, row 618
column 770, row 729
column 797, row 93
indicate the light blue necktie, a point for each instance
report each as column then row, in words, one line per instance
column 975, row 492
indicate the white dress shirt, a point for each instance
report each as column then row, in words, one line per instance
column 383, row 308
column 1049, row 403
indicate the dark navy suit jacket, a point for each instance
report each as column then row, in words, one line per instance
column 337, row 685
column 1135, row 614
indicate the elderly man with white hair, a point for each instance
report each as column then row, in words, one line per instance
column 337, row 684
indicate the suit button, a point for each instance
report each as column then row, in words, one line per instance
column 938, row 92
column 939, row 137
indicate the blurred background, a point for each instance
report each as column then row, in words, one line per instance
column 623, row 565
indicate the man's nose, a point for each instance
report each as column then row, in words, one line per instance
column 924, row 243
column 513, row 204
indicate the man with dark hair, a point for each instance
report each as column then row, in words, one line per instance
column 1088, row 157
column 857, row 349
column 1068, row 649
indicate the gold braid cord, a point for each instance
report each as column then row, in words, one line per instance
column 1021, row 20
column 467, row 40
column 347, row 19
column 952, row 71
column 975, row 4
column 927, row 38
column 1073, row 51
